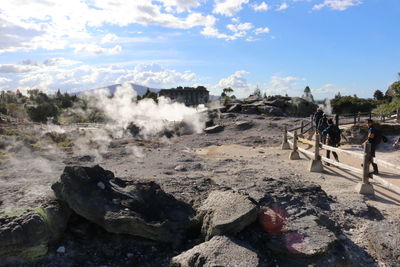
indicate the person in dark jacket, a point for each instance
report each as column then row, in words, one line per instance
column 317, row 117
column 322, row 125
column 373, row 139
column 333, row 133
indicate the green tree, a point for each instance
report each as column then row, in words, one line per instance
column 378, row 95
column 308, row 95
column 227, row 91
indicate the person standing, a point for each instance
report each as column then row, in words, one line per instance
column 317, row 117
column 322, row 125
column 333, row 133
column 374, row 140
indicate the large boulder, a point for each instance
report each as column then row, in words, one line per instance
column 137, row 208
column 252, row 99
column 235, row 108
column 299, row 107
column 271, row 111
column 250, row 109
column 26, row 236
column 219, row 251
column 243, row 125
column 277, row 102
column 214, row 129
column 226, row 212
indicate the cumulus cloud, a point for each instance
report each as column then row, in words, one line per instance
column 337, row 4
column 284, row 85
column 282, row 7
column 95, row 49
column 79, row 77
column 260, row 7
column 109, row 38
column 228, row 7
column 180, row 5
column 4, row 80
column 240, row 27
column 259, row 31
column 237, row 82
column 55, row 24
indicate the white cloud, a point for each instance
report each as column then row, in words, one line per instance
column 259, row 31
column 17, row 68
column 238, row 83
column 180, row 5
column 228, row 7
column 282, row 7
column 240, row 27
column 338, row 4
column 80, row 77
column 51, row 24
column 95, row 49
column 284, row 85
column 260, row 7
column 109, row 38
column 4, row 80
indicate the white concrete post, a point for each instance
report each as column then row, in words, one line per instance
column 285, row 144
column 294, row 154
column 365, row 187
column 316, row 163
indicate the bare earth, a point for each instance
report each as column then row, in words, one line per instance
column 189, row 167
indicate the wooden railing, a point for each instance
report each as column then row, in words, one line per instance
column 365, row 187
column 354, row 118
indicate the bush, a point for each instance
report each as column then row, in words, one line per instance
column 352, row 104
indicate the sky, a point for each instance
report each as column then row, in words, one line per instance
column 279, row 46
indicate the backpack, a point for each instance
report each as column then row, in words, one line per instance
column 336, row 135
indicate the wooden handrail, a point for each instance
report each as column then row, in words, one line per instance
column 335, row 149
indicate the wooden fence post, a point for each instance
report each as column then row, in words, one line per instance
column 285, row 144
column 398, row 115
column 294, row 154
column 355, row 118
column 337, row 120
column 302, row 128
column 312, row 120
column 370, row 115
column 365, row 188
column 359, row 117
column 316, row 163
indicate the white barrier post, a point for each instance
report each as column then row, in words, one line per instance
column 285, row 144
column 294, row 154
column 316, row 163
column 365, row 187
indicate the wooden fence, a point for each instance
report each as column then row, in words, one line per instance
column 296, row 135
column 355, row 118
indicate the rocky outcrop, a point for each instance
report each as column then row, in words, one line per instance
column 243, row 125
column 219, row 251
column 273, row 106
column 26, row 236
column 226, row 212
column 138, row 209
column 214, row 129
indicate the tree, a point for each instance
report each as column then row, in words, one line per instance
column 227, row 91
column 378, row 95
column 338, row 95
column 150, row 94
column 307, row 95
column 257, row 92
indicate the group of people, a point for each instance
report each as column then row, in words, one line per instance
column 329, row 132
column 331, row 135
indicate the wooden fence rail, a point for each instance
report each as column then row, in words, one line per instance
column 365, row 187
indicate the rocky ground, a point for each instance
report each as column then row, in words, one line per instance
column 241, row 203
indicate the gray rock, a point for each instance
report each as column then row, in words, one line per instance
column 250, row 109
column 219, row 251
column 271, row 111
column 243, row 125
column 226, row 212
column 141, row 209
column 214, row 129
column 299, row 107
column 180, row 168
column 26, row 236
column 279, row 102
column 235, row 108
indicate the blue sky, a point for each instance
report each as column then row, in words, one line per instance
column 347, row 46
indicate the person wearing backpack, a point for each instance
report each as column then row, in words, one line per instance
column 374, row 138
column 322, row 125
column 317, row 117
column 333, row 133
